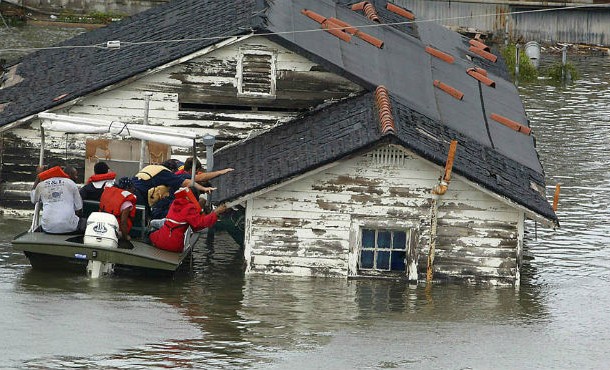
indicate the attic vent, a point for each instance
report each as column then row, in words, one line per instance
column 388, row 156
column 256, row 73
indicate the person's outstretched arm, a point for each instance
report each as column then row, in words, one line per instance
column 187, row 183
column 206, row 176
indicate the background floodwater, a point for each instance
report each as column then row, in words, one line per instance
column 216, row 317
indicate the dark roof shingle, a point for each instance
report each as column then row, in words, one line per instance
column 502, row 160
column 351, row 127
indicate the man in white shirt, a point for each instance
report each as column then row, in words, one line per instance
column 60, row 199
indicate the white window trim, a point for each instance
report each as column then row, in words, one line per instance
column 355, row 240
column 239, row 74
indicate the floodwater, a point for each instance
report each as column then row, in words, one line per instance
column 217, row 317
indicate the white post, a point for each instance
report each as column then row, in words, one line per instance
column 147, row 96
column 36, row 217
column 209, row 141
column 41, row 156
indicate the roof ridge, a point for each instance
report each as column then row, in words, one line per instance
column 384, row 109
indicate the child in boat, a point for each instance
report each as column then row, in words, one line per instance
column 56, row 189
column 184, row 211
column 102, row 177
column 152, row 176
column 120, row 201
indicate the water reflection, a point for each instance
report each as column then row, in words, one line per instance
column 572, row 124
column 216, row 316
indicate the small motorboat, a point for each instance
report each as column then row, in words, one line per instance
column 99, row 251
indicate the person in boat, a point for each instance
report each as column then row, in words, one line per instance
column 153, row 176
column 120, row 201
column 102, row 177
column 62, row 205
column 184, row 211
column 188, row 166
column 160, row 198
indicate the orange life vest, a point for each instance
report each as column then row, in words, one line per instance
column 111, row 201
column 102, row 176
column 52, row 172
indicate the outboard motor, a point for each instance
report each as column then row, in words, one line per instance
column 102, row 230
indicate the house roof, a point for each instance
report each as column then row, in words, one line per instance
column 407, row 70
column 55, row 76
column 353, row 127
column 423, row 65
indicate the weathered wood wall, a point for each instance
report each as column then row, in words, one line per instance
column 304, row 227
column 20, row 151
column 202, row 94
column 199, row 95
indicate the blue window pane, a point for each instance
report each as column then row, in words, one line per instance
column 398, row 261
column 366, row 259
column 368, row 238
column 383, row 239
column 383, row 260
column 400, row 240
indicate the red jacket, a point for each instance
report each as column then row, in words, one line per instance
column 111, row 201
column 182, row 214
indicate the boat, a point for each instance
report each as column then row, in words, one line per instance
column 99, row 251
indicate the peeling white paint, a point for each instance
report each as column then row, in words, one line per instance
column 477, row 234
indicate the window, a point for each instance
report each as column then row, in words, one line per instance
column 383, row 251
column 256, row 73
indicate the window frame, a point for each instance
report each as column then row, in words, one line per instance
column 239, row 73
column 377, row 250
column 410, row 227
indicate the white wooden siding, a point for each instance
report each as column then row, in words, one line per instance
column 294, row 228
column 208, row 80
column 212, row 79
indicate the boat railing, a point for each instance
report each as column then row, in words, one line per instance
column 35, row 217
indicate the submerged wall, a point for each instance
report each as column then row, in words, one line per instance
column 313, row 226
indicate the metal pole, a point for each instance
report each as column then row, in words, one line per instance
column 208, row 141
column 147, row 96
column 41, row 156
column 194, row 165
column 517, row 62
column 36, row 217
column 564, row 61
column 506, row 30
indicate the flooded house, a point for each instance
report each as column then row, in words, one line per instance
column 365, row 142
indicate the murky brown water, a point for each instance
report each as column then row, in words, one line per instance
column 219, row 318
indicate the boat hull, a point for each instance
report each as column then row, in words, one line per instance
column 70, row 252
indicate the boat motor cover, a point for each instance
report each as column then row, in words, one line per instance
column 102, row 229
